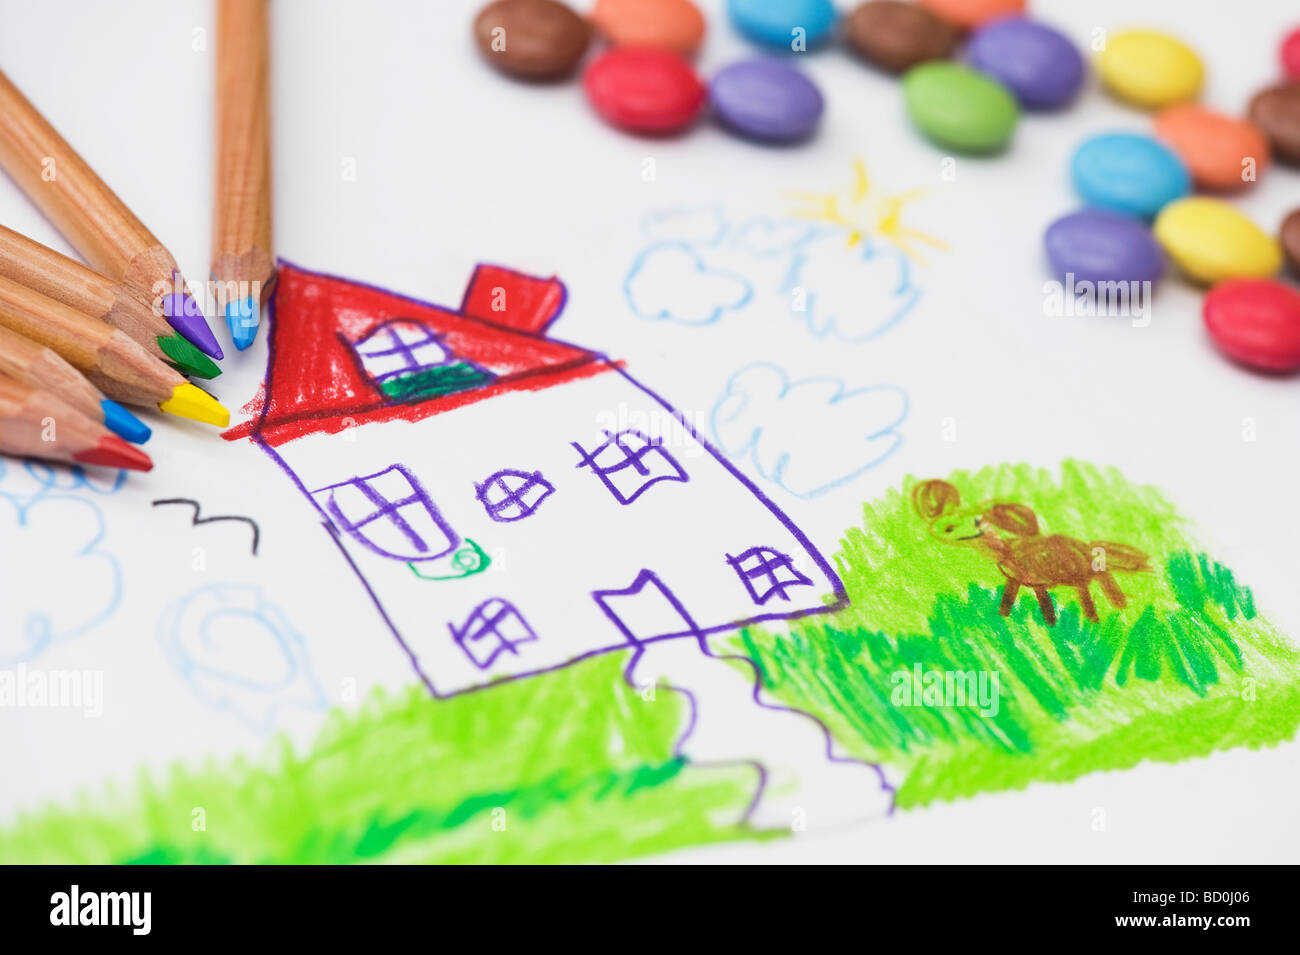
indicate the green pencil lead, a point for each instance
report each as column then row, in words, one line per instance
column 187, row 359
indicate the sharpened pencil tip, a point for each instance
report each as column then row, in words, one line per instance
column 190, row 401
column 184, row 315
column 113, row 452
column 243, row 317
column 120, row 421
column 187, row 359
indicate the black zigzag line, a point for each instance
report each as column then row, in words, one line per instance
column 196, row 520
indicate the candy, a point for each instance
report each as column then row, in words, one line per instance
column 675, row 25
column 1290, row 54
column 1211, row 241
column 1276, row 111
column 1129, row 173
column 1256, row 322
column 1221, row 152
column 895, row 35
column 644, row 90
column 1097, row 245
column 958, row 107
column 766, row 100
column 1040, row 65
column 531, row 39
column 1149, row 68
column 1289, row 236
column 792, row 24
column 971, row 13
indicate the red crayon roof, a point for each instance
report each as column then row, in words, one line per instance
column 316, row 382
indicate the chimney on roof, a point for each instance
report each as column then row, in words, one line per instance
column 512, row 299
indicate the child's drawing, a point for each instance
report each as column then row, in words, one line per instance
column 841, row 265
column 375, row 437
column 197, row 517
column 239, row 653
column 902, row 674
column 1009, row 534
column 54, row 542
column 809, row 435
column 671, row 281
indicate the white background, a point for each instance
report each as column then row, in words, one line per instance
column 456, row 165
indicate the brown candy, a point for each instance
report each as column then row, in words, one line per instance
column 1289, row 236
column 896, row 36
column 1276, row 111
column 532, row 39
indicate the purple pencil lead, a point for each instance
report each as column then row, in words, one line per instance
column 184, row 315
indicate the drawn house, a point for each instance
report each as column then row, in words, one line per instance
column 511, row 502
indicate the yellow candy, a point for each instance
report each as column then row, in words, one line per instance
column 1211, row 241
column 1149, row 68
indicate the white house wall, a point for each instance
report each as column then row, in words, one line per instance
column 579, row 539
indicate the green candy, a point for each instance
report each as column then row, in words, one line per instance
column 960, row 108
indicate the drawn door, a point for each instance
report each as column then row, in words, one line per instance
column 646, row 610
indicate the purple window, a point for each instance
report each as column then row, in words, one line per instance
column 495, row 627
column 628, row 463
column 765, row 571
column 398, row 348
column 510, row 495
column 389, row 513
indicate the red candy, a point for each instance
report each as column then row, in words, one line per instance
column 1256, row 322
column 1291, row 54
column 644, row 90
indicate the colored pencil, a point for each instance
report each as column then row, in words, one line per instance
column 242, row 263
column 66, row 280
column 33, row 364
column 36, row 424
column 112, row 360
column 97, row 223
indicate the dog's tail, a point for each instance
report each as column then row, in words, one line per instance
column 1120, row 557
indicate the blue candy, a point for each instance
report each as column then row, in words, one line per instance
column 774, row 22
column 1129, row 173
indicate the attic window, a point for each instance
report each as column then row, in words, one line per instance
column 389, row 513
column 767, row 572
column 406, row 360
column 629, row 462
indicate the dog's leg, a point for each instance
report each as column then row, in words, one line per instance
column 1085, row 598
column 1045, row 605
column 1009, row 597
column 1111, row 589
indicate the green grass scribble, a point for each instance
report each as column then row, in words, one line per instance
column 579, row 763
column 1187, row 668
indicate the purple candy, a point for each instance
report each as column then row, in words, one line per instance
column 1097, row 245
column 765, row 99
column 1040, row 65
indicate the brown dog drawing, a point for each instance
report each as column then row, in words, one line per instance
column 1008, row 533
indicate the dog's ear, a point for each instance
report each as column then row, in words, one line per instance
column 934, row 497
column 1013, row 518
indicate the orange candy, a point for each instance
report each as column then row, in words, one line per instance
column 1221, row 152
column 675, row 25
column 971, row 13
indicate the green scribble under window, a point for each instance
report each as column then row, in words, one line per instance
column 434, row 382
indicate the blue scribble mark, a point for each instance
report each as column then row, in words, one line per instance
column 670, row 281
column 767, row 238
column 69, row 584
column 240, row 653
column 807, row 436
column 851, row 292
column 694, row 225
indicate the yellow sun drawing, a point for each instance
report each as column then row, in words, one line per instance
column 862, row 211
